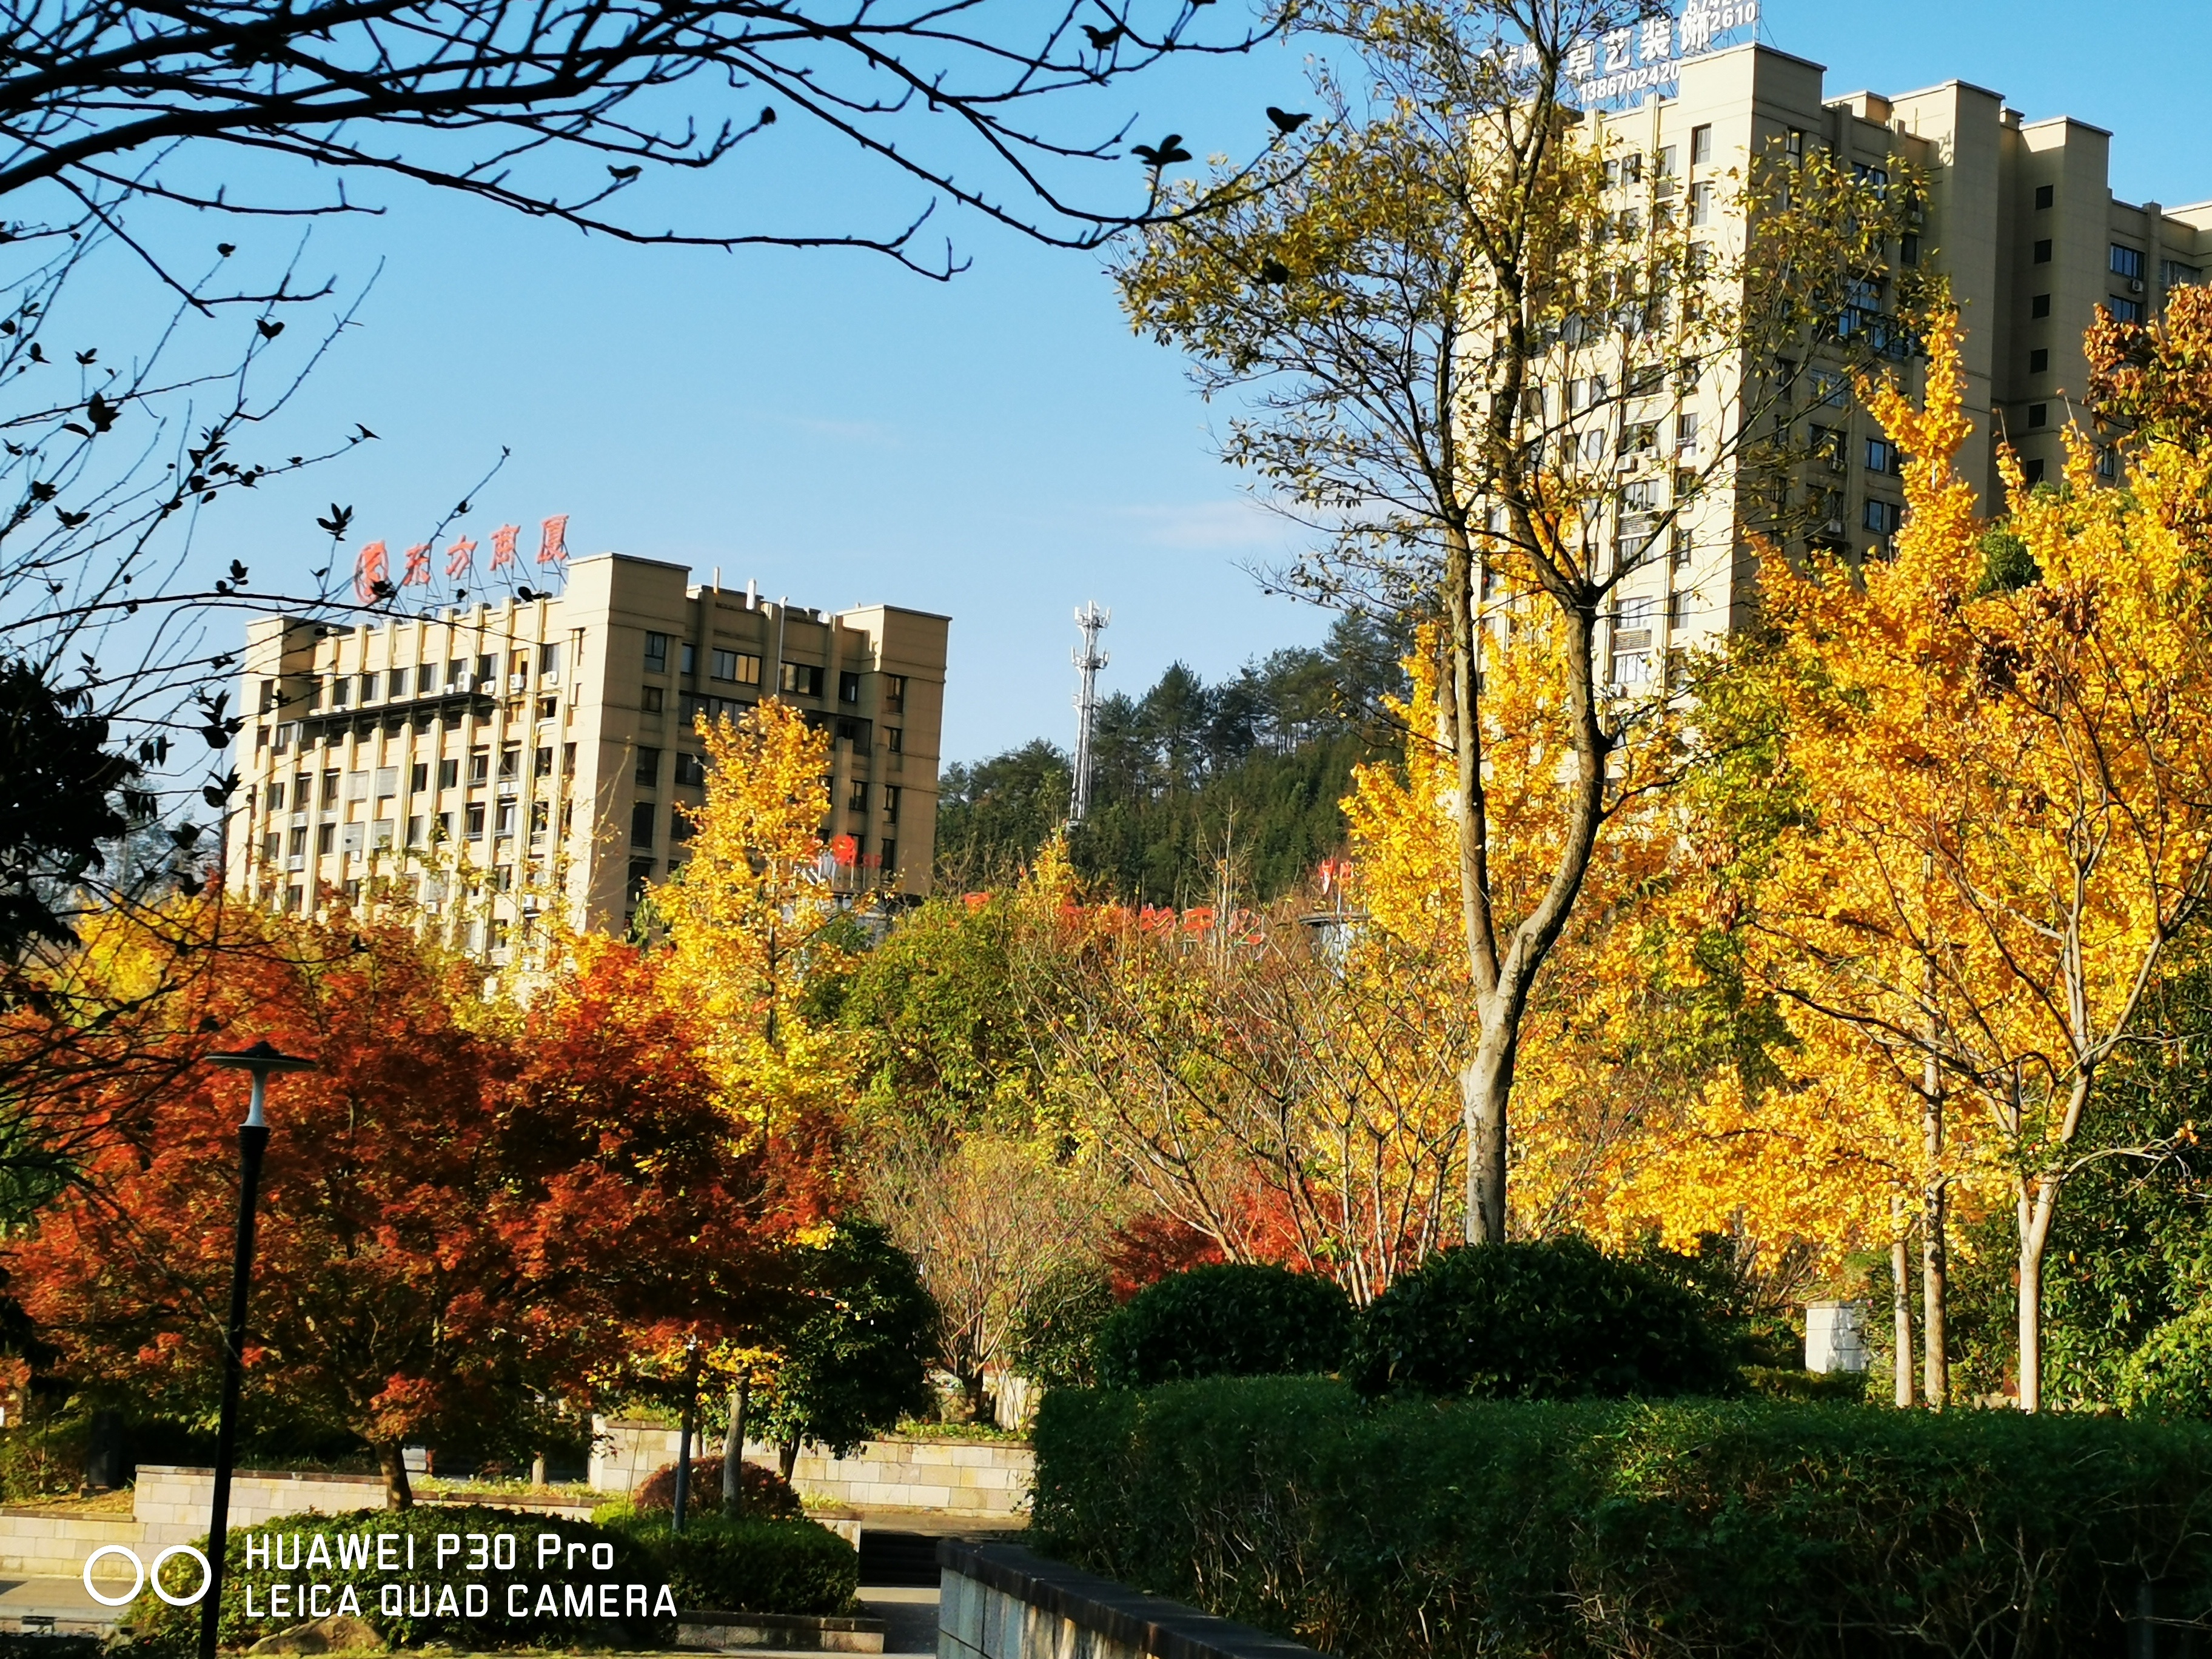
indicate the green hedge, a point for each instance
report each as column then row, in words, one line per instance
column 749, row 1565
column 1683, row 1528
column 420, row 1598
column 1228, row 1319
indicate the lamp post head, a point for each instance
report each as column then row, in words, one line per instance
column 260, row 1060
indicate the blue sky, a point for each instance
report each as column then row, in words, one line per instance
column 998, row 448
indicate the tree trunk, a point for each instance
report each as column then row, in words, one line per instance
column 733, row 1449
column 398, row 1494
column 1486, row 1087
column 1900, row 1304
column 2036, row 1201
column 976, row 1396
column 1934, row 1245
column 1935, row 1295
column 790, row 1457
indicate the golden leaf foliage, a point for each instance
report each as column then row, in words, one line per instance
column 750, row 916
column 1988, row 808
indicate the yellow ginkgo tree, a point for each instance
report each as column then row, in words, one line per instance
column 751, row 918
column 1986, row 799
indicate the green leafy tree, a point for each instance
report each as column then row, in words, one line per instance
column 854, row 1357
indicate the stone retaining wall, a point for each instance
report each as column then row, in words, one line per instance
column 39, row 1546
column 979, row 1478
column 1001, row 1601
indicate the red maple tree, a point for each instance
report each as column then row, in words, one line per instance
column 468, row 1211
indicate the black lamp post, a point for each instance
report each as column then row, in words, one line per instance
column 252, row 1141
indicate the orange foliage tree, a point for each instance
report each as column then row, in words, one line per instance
column 467, row 1209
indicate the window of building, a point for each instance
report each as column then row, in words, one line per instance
column 369, row 684
column 1701, row 204
column 680, row 826
column 849, row 686
column 2043, row 251
column 890, row 803
column 297, row 844
column 449, row 772
column 2124, row 311
column 330, row 789
column 273, row 797
column 2171, row 273
column 1685, row 429
column 510, row 760
column 1875, row 179
column 690, row 658
column 1663, row 164
column 2108, row 462
column 272, row 847
column 1701, row 145
column 505, row 822
column 641, row 823
column 2038, row 360
column 2045, row 195
column 857, row 801
column 2039, row 415
column 1883, row 517
column 2040, row 306
column 652, row 700
column 474, row 821
column 1881, row 456
column 725, row 665
column 415, row 825
column 891, row 857
column 690, row 768
column 802, row 680
column 548, row 661
column 1829, row 389
column 894, row 693
column 426, row 679
column 1793, row 142
column 541, row 762
column 326, row 838
column 291, row 900
column 485, row 666
column 340, row 685
column 547, row 707
column 648, row 766
column 441, row 826
column 2127, row 262
column 479, row 766
column 541, row 813
column 2033, row 472
column 640, row 872
column 418, row 777
column 895, row 736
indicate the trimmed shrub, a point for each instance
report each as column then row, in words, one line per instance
column 441, row 1586
column 769, row 1496
column 1550, row 1320
column 749, row 1565
column 1229, row 1320
column 1510, row 1529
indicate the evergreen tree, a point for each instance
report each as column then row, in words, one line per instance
column 1189, row 776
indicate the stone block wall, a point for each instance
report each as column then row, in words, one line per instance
column 1001, row 1601
column 987, row 1477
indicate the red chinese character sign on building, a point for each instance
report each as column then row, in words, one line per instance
column 372, row 583
column 372, row 571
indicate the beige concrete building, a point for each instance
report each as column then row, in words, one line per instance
column 503, row 761
column 2021, row 217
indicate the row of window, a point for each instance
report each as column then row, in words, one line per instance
column 384, row 780
column 743, row 668
column 426, row 679
column 423, row 830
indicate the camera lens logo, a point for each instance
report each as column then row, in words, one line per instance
column 140, row 1575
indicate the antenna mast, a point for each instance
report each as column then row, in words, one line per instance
column 1088, row 659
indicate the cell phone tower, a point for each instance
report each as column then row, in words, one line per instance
column 1089, row 659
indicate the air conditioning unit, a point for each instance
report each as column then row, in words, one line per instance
column 2136, row 285
column 518, row 682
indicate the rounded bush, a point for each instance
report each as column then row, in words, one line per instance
column 2171, row 1375
column 769, row 1496
column 1228, row 1320
column 1551, row 1320
column 1056, row 1334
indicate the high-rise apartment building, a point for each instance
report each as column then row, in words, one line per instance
column 504, row 760
column 2019, row 215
